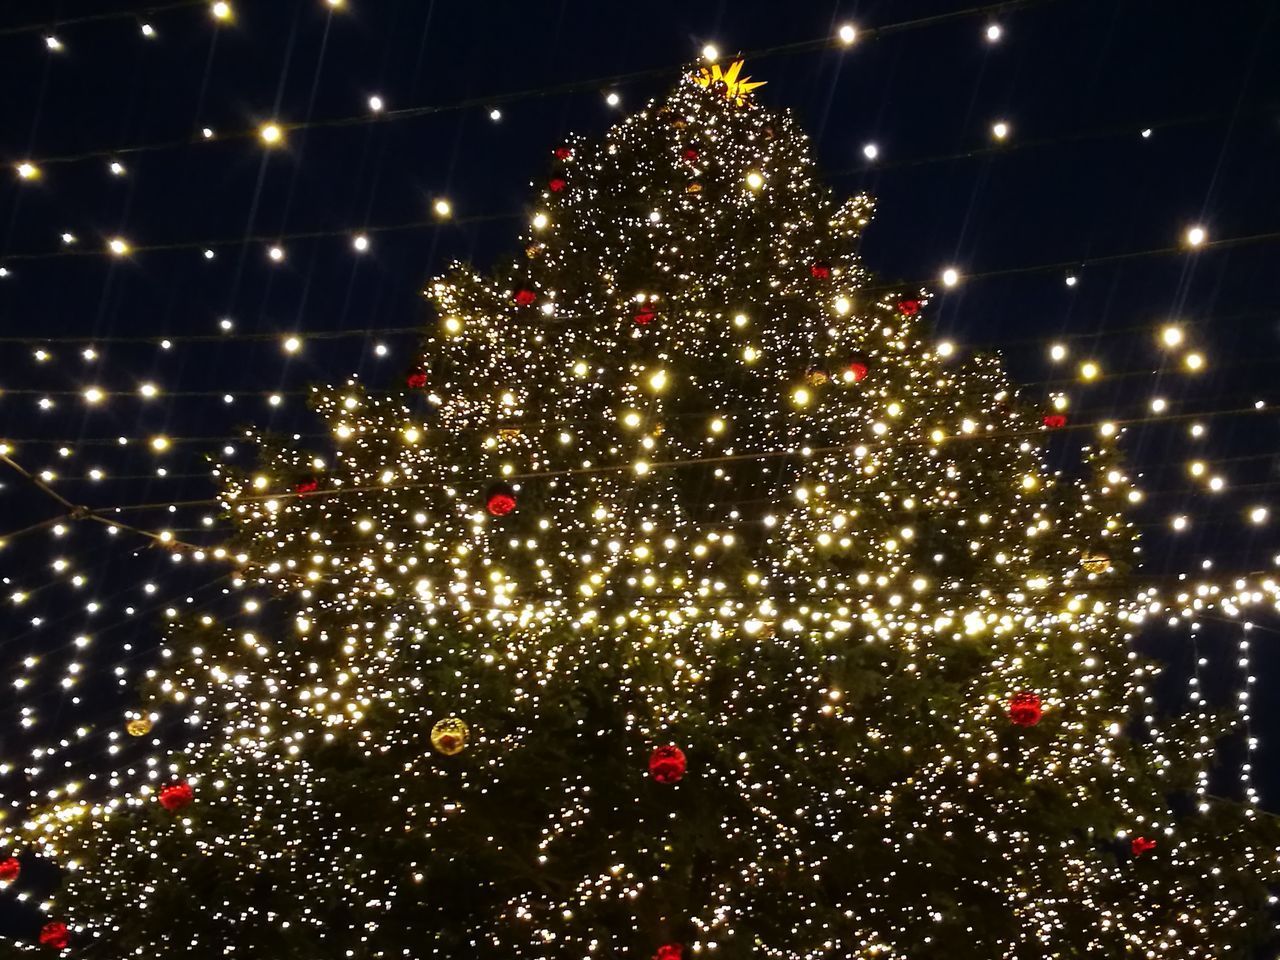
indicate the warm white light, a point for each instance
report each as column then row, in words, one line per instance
column 1000, row 129
column 442, row 208
column 93, row 395
column 292, row 345
column 870, row 151
column 612, row 99
column 539, row 221
column 1171, row 336
column 1089, row 370
column 1058, row 352
column 271, row 134
column 53, row 43
column 950, row 277
column 276, row 254
column 206, row 132
column 847, row 34
column 221, row 10
column 946, row 348
column 1159, row 405
column 1258, row 515
column 1196, row 236
column 754, row 180
column 994, row 32
column 209, row 254
column 28, row 171
column 117, row 168
column 159, row 443
column 375, row 104
column 360, row 242
column 1193, row 361
column 148, row 31
column 709, row 52
column 148, row 390
column 336, row 4
column 118, row 246
column 1179, row 523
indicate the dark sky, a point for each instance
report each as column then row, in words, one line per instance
column 1074, row 190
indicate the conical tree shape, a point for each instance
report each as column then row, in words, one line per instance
column 678, row 475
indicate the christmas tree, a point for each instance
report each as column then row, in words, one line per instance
column 688, row 599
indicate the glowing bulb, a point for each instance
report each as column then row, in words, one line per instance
column 1000, row 129
column 1178, row 523
column 870, row 151
column 292, row 345
column 754, row 180
column 1088, row 370
column 950, row 277
column 117, row 168
column 1193, row 361
column 442, row 208
column 843, row 306
column 1072, row 280
column 710, row 53
column 148, row 31
column 53, row 43
column 1196, row 467
column 612, row 99
column 1158, row 405
column 1258, row 515
column 28, row 171
column 1058, row 352
column 800, row 397
column 159, row 444
column 495, row 114
column 993, row 32
column 361, row 242
column 1171, row 336
column 93, row 395
column 717, row 425
column 118, row 246
column 658, row 380
column 336, row 4
column 148, row 390
column 847, row 34
column 1196, row 236
column 540, row 221
column 276, row 254
column 946, row 348
column 271, row 134
column 375, row 104
column 221, row 10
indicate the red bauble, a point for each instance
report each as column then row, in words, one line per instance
column 1141, row 845
column 859, row 370
column 644, row 316
column 9, row 870
column 525, row 297
column 1054, row 421
column 563, row 153
column 501, row 500
column 667, row 764
column 176, row 796
column 820, row 271
column 304, row 487
column 908, row 308
column 670, row 951
column 416, row 379
column 557, row 184
column 690, row 154
column 54, row 935
column 1025, row 709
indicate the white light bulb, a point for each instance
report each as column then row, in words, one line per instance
column 442, row 208
column 271, row 134
column 360, row 242
column 53, row 43
column 495, row 114
column 148, row 31
column 870, row 151
column 118, row 246
column 375, row 103
column 1000, row 129
column 994, row 32
column 1196, row 236
column 276, row 254
column 847, row 34
column 612, row 99
column 221, row 10
column 950, row 277
column 709, row 52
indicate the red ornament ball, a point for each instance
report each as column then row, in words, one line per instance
column 525, row 297
column 820, row 271
column 501, row 500
column 858, row 370
column 9, row 870
column 557, row 184
column 670, row 951
column 416, row 379
column 667, row 764
column 304, row 487
column 1054, row 421
column 563, row 153
column 691, row 155
column 1141, row 845
column 1025, row 709
column 908, row 308
column 54, row 935
column 644, row 316
column 176, row 796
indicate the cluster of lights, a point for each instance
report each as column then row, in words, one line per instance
column 906, row 530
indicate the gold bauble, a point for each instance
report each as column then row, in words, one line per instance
column 449, row 736
column 508, row 433
column 532, row 250
column 138, row 726
column 817, row 377
column 693, row 188
column 1095, row 562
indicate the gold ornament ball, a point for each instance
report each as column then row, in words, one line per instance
column 138, row 727
column 1095, row 562
column 449, row 736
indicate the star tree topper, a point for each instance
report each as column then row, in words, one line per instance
column 737, row 89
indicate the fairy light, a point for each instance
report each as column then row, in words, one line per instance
column 710, row 53
column 119, row 246
column 360, row 242
column 275, row 254
column 221, row 10
column 28, row 171
column 950, row 277
column 1193, row 361
column 376, row 104
column 993, row 32
column 870, row 151
column 909, row 516
column 442, row 208
column 1000, row 129
column 1196, row 236
column 148, row 31
column 53, row 43
column 1171, row 336
column 271, row 134
column 847, row 34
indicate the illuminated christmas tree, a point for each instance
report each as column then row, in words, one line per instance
column 688, row 600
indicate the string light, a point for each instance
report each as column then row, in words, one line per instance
column 221, row 10
column 28, row 171
column 271, row 134
column 950, row 277
column 443, row 209
column 848, row 34
column 1196, row 236
column 360, row 242
column 710, row 53
column 993, row 32
column 1000, row 129
column 870, row 151
column 375, row 104
column 118, row 246
column 53, row 43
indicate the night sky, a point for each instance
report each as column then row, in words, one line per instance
column 1076, row 190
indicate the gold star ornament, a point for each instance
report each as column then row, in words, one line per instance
column 736, row 87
